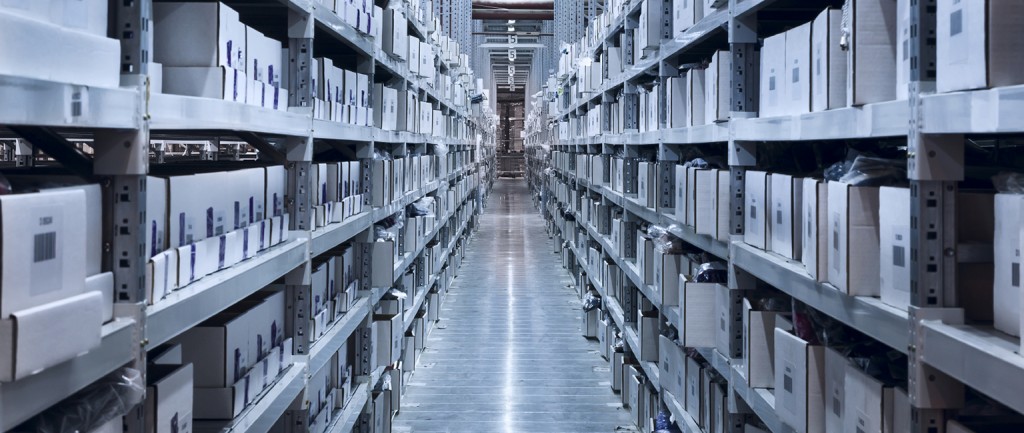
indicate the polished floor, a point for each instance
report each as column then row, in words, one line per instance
column 507, row 354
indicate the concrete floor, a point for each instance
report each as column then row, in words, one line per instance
column 507, row 354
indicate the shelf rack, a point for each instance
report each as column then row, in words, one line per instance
column 121, row 122
column 938, row 345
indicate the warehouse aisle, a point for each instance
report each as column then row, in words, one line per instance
column 507, row 354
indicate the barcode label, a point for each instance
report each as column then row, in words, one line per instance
column 45, row 247
column 899, row 258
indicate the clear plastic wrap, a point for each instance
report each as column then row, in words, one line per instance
column 870, row 171
column 697, row 163
column 389, row 228
column 712, row 272
column 836, row 171
column 397, row 294
column 421, row 207
column 385, row 382
column 381, row 155
column 92, row 407
column 440, row 149
column 591, row 301
column 664, row 241
column 1009, row 182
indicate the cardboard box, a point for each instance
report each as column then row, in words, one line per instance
column 719, row 90
column 706, row 217
column 695, row 88
column 685, row 14
column 894, row 246
column 218, row 349
column 647, row 332
column 670, row 359
column 787, row 215
column 773, row 80
column 759, row 346
column 395, row 41
column 694, row 388
column 264, row 60
column 217, row 82
column 868, row 405
column 799, row 383
column 389, row 337
column 853, row 242
column 169, row 399
column 828, row 84
column 724, row 206
column 667, row 269
column 40, row 337
column 756, row 198
column 681, row 202
column 696, row 313
column 872, row 54
column 161, row 275
column 645, row 257
column 814, row 242
column 1006, row 244
column 835, row 389
column 46, row 227
column 798, row 70
column 204, row 35
column 975, row 49
column 413, row 60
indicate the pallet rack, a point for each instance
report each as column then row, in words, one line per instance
column 122, row 122
column 945, row 355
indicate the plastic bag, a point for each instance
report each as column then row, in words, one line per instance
column 713, row 272
column 440, row 149
column 397, row 294
column 869, row 171
column 836, row 171
column 421, row 207
column 591, row 301
column 381, row 155
column 95, row 405
column 388, row 228
column 697, row 163
column 1009, row 182
column 664, row 241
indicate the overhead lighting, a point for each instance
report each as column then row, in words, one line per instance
column 511, row 21
column 511, row 29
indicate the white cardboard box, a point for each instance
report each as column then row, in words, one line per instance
column 40, row 337
column 773, row 80
column 872, row 54
column 853, row 238
column 707, row 202
column 44, row 227
column 894, row 246
column 903, row 63
column 217, row 82
column 264, row 59
column 976, row 44
column 787, row 215
column 647, row 332
column 799, row 383
column 835, row 389
column 718, row 90
column 695, row 90
column 814, row 245
column 697, row 313
column 798, row 70
column 395, row 41
column 686, row 13
column 169, row 399
column 828, row 85
column 1006, row 244
column 759, row 346
column 198, row 35
column 218, row 349
column 868, row 404
column 757, row 226
column 667, row 276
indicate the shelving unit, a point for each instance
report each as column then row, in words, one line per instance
column 119, row 124
column 946, row 357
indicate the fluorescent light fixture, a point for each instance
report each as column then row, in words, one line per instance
column 511, row 21
column 511, row 29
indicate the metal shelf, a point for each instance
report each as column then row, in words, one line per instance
column 760, row 400
column 884, row 119
column 650, row 368
column 346, row 419
column 192, row 304
column 328, row 344
column 328, row 130
column 188, row 113
column 49, row 103
column 260, row 417
column 868, row 315
column 333, row 235
column 342, row 31
column 982, row 358
column 988, row 111
column 27, row 397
